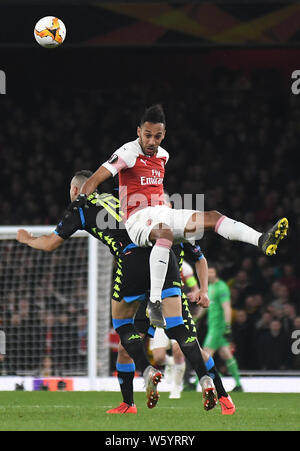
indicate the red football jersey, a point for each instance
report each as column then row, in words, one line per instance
column 141, row 177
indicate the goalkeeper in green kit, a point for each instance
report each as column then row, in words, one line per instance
column 218, row 336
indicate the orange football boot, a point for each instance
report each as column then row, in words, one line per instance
column 123, row 408
column 227, row 406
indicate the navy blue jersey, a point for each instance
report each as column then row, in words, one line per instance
column 187, row 251
column 101, row 218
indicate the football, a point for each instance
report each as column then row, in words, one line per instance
column 50, row 32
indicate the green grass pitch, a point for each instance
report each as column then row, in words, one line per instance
column 86, row 411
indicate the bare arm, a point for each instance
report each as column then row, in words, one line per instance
column 96, row 179
column 201, row 296
column 202, row 274
column 47, row 243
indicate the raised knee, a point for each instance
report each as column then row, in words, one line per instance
column 211, row 218
column 215, row 214
column 161, row 231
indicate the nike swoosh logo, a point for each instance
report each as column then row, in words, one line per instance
column 162, row 262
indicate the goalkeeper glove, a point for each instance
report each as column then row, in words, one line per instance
column 79, row 202
column 228, row 333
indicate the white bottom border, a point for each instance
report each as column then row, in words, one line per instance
column 250, row 384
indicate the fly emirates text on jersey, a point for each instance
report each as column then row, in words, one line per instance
column 156, row 179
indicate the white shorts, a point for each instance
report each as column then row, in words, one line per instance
column 160, row 340
column 140, row 224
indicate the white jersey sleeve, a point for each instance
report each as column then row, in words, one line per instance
column 163, row 153
column 123, row 158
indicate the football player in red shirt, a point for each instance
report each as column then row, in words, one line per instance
column 141, row 168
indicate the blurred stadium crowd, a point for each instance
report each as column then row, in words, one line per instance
column 233, row 137
column 44, row 309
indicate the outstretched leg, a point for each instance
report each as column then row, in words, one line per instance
column 236, row 231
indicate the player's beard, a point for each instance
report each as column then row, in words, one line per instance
column 150, row 150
